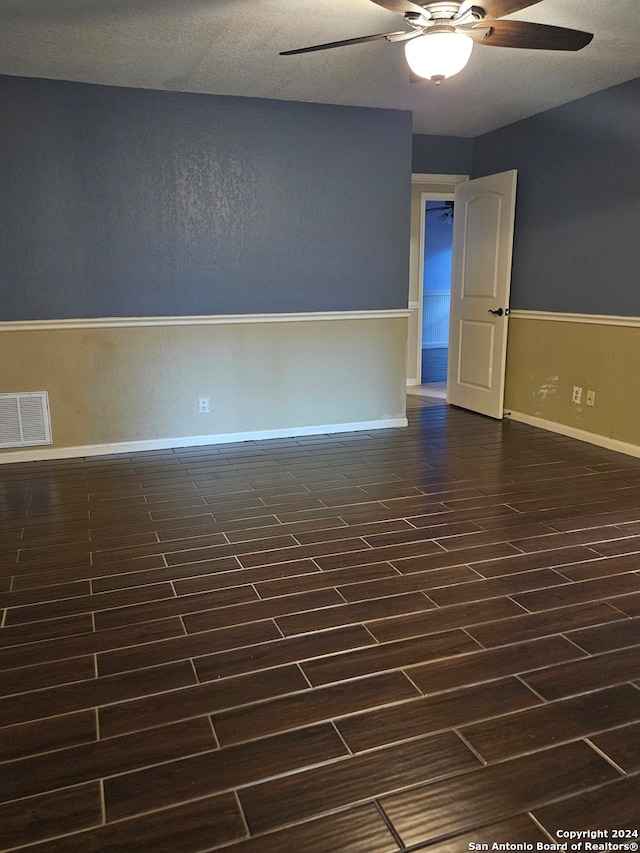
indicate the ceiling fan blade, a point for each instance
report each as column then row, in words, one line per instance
column 402, row 6
column 343, row 43
column 528, row 35
column 500, row 8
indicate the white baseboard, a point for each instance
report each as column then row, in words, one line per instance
column 40, row 454
column 580, row 434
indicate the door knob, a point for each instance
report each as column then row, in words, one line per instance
column 498, row 312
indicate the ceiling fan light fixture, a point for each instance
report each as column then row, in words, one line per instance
column 438, row 55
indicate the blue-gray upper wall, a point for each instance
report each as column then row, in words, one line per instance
column 576, row 246
column 442, row 155
column 125, row 202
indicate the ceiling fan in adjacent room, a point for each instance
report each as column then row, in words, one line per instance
column 442, row 33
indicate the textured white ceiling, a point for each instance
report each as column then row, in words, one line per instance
column 230, row 47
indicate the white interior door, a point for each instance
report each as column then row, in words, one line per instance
column 480, row 285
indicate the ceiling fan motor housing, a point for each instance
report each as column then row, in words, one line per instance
column 443, row 10
column 440, row 14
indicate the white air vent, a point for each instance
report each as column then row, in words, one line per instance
column 24, row 419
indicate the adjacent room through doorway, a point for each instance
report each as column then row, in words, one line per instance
column 436, row 293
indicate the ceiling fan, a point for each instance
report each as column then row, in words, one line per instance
column 442, row 33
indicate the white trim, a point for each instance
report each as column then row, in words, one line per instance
column 594, row 319
column 193, row 441
column 580, row 434
column 198, row 320
column 426, row 195
column 412, row 382
column 422, row 178
column 424, row 198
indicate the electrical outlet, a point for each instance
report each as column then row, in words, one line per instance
column 576, row 397
column 203, row 406
column 591, row 398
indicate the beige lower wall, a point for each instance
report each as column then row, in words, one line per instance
column 138, row 383
column 546, row 358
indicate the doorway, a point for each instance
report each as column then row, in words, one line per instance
column 428, row 319
column 436, row 293
column 480, row 285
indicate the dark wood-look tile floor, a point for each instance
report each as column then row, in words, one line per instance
column 367, row 642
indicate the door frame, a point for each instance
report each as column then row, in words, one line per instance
column 424, row 187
